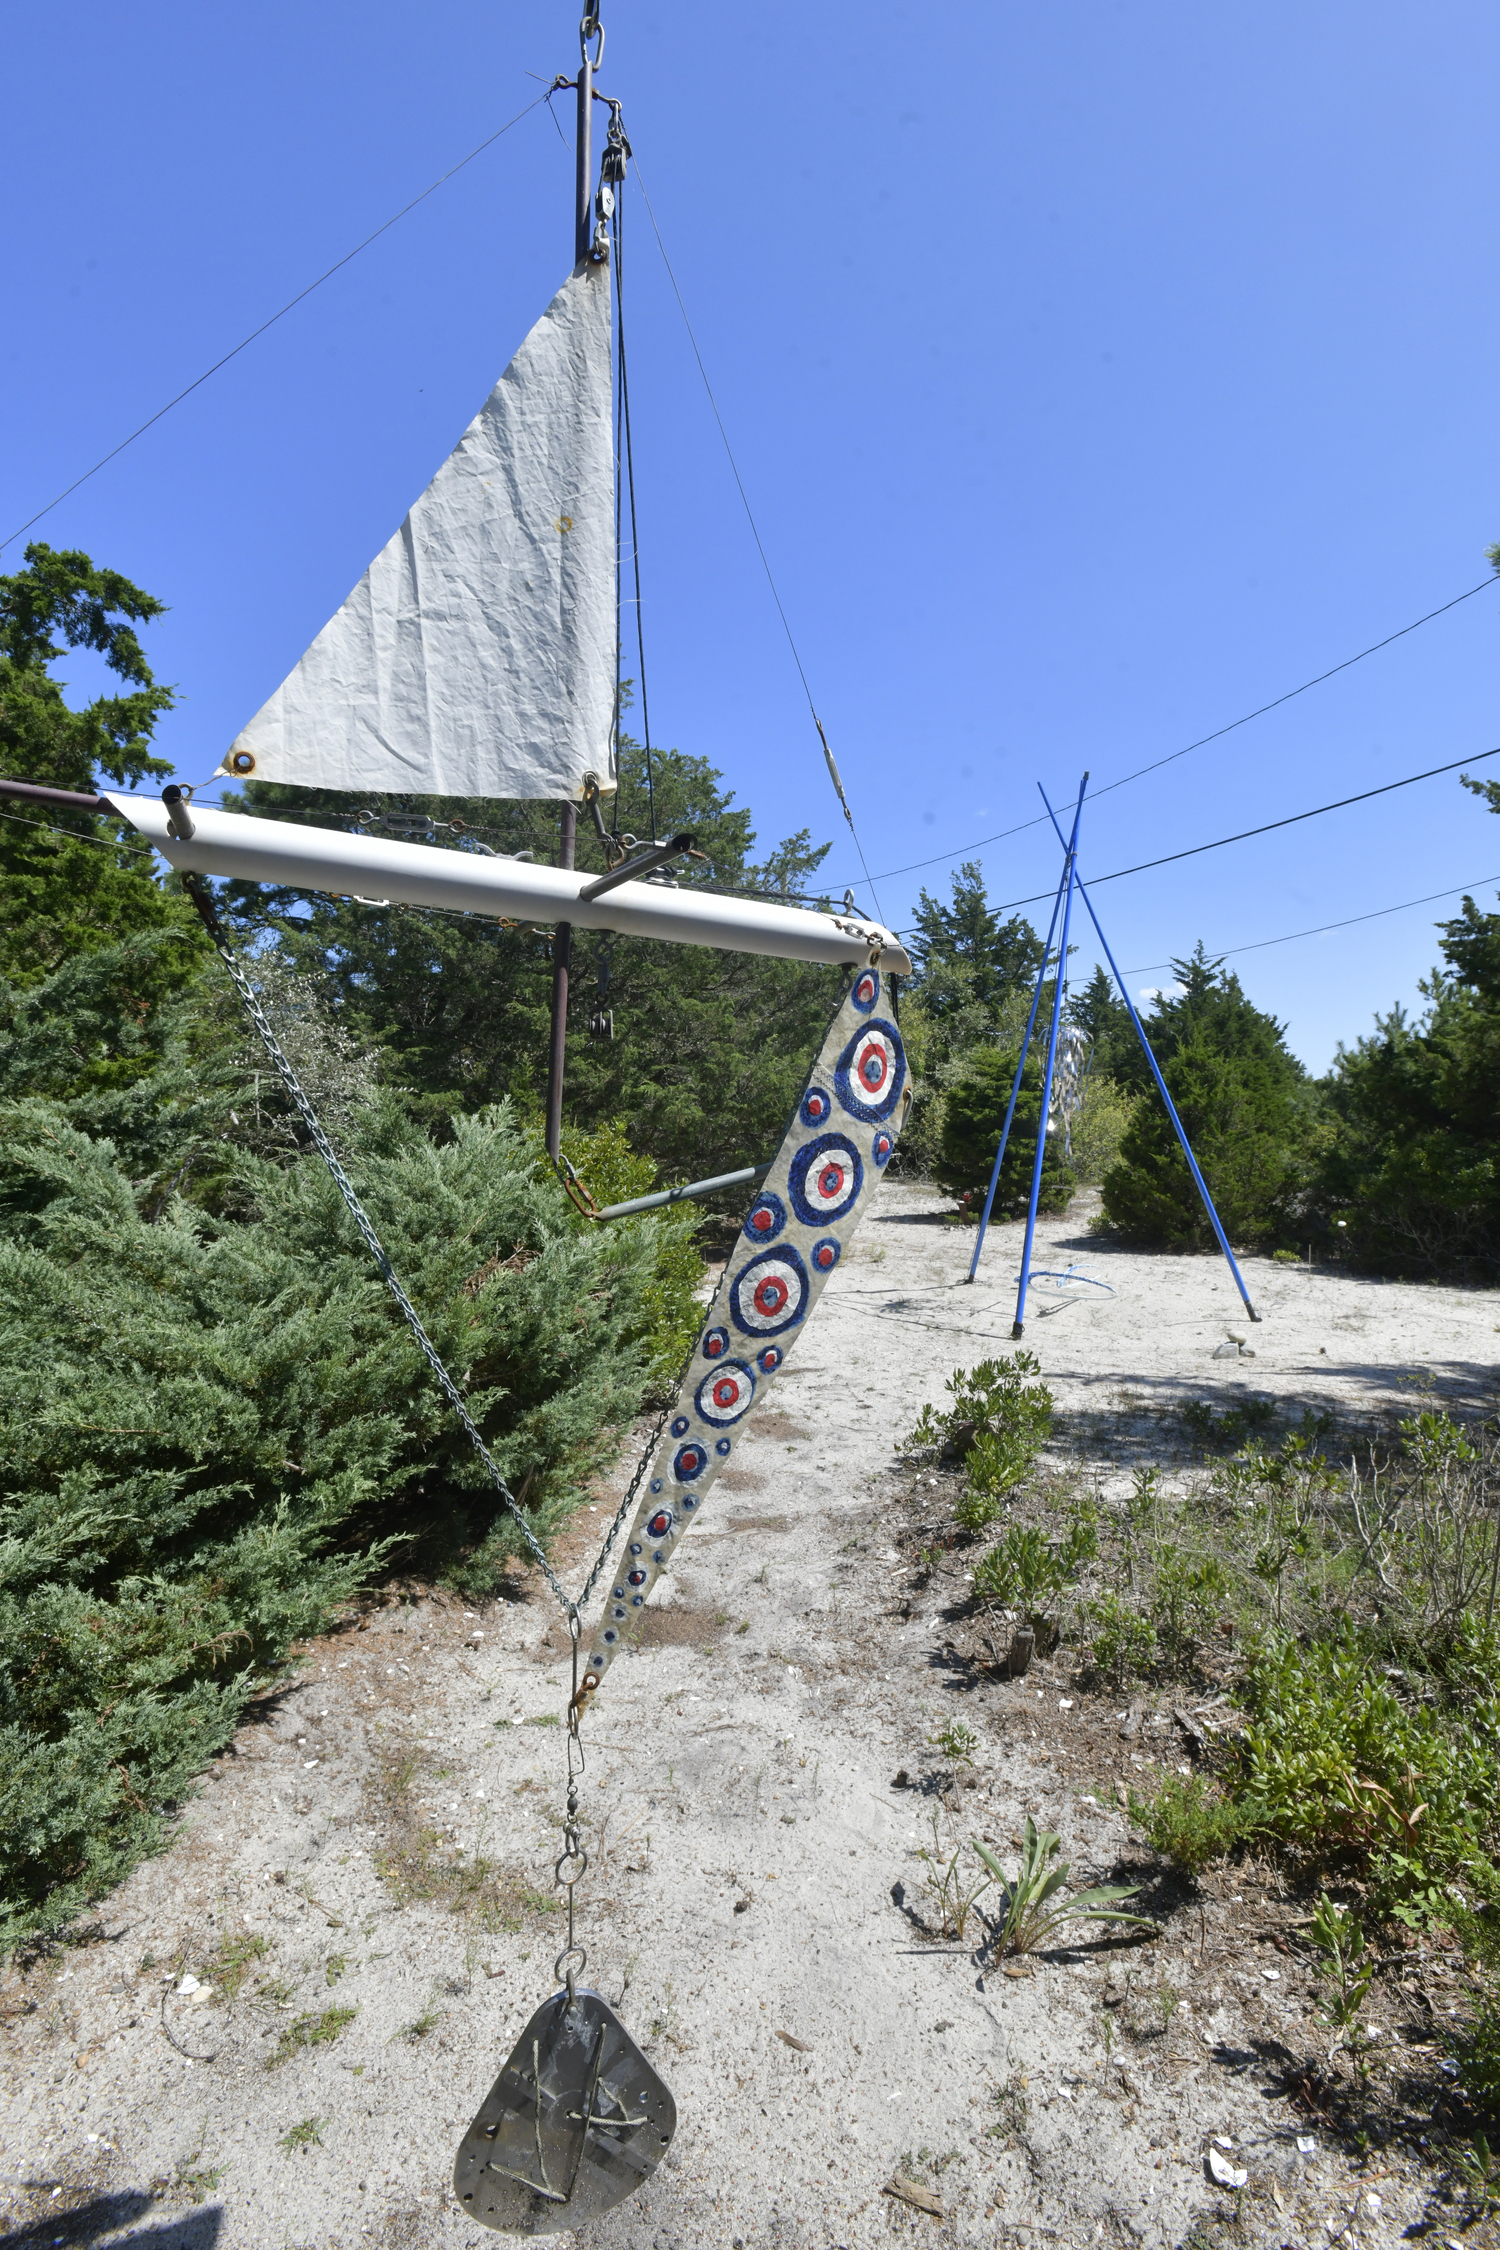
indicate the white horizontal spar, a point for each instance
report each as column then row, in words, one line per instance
column 329, row 859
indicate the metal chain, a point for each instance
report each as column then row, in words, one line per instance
column 573, row 1959
column 371, row 1239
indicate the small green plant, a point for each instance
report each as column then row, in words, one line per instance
column 997, row 1425
column 309, row 2134
column 1031, row 1572
column 1477, row 2054
column 311, row 2031
column 1286, row 1257
column 1187, row 1593
column 1226, row 1429
column 1168, row 2000
column 232, row 1963
column 952, row 1888
column 1034, row 1909
column 542, row 1719
column 1190, row 1822
column 1121, row 1643
column 1345, row 1970
column 1475, row 2172
column 334, row 1967
column 429, row 2020
column 956, row 1741
column 197, row 2182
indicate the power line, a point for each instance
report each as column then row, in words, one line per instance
column 1459, row 890
column 941, row 858
column 759, row 543
column 290, row 304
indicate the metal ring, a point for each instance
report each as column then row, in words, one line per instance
column 586, row 30
column 566, row 1882
column 568, row 1953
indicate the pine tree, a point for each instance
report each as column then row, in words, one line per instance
column 1246, row 1107
column 973, row 1116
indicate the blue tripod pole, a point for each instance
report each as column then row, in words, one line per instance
column 1161, row 1085
column 1018, row 1328
column 1010, row 1110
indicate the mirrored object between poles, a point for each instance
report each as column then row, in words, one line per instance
column 574, row 2123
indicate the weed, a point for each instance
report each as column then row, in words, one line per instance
column 1188, row 1591
column 956, row 1741
column 1030, row 1571
column 334, row 1967
column 744, row 1627
column 1121, row 1643
column 197, row 2182
column 231, row 1964
column 310, row 2031
column 951, row 1887
column 1230, row 1427
column 997, row 1425
column 309, row 2134
column 1010, row 2100
column 1168, row 2000
column 542, row 1719
column 429, row 2020
column 1034, row 1910
column 1190, row 1822
column 416, row 1861
column 1345, row 1969
column 1476, row 2174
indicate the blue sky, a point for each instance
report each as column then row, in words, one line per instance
column 1096, row 373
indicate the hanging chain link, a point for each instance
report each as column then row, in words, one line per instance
column 591, row 28
column 372, row 1241
column 573, row 1862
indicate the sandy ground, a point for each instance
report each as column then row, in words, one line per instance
column 753, row 1901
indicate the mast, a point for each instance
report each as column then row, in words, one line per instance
column 562, row 936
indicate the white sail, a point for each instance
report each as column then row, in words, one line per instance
column 476, row 657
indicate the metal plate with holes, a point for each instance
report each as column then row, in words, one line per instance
column 574, row 2123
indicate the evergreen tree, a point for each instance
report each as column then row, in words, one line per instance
column 1412, row 1164
column 1244, row 1103
column 994, row 959
column 973, row 1116
column 1099, row 1011
column 69, row 880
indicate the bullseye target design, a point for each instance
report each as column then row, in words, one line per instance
column 866, row 990
column 871, row 1072
column 825, row 1255
column 680, row 1425
column 659, row 1524
column 716, row 1343
column 726, row 1394
column 689, row 1462
column 816, row 1107
column 765, row 1218
column 825, row 1179
column 769, row 1295
column 770, row 1359
column 881, row 1147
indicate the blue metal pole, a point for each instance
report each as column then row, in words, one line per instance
column 1036, row 1001
column 1161, row 1086
column 1018, row 1328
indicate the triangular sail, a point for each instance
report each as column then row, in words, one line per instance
column 476, row 657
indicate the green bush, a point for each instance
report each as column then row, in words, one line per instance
column 1028, row 1571
column 214, row 1428
column 973, row 1114
column 991, row 1401
column 1190, row 1821
column 1121, row 1643
column 1244, row 1104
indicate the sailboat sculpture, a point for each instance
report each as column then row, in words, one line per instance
column 478, row 657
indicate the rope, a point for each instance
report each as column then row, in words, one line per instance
column 289, row 306
column 635, row 532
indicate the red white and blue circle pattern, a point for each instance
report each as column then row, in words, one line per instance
column 769, row 1295
column 871, row 1072
column 795, row 1233
column 765, row 1218
column 726, row 1394
column 825, row 1179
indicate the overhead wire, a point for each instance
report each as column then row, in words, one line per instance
column 1459, row 890
column 1265, row 829
column 760, row 549
column 940, row 859
column 289, row 306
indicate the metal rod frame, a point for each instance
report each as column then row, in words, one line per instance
column 1018, row 1327
column 1161, row 1085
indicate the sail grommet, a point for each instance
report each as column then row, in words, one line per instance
column 240, row 761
